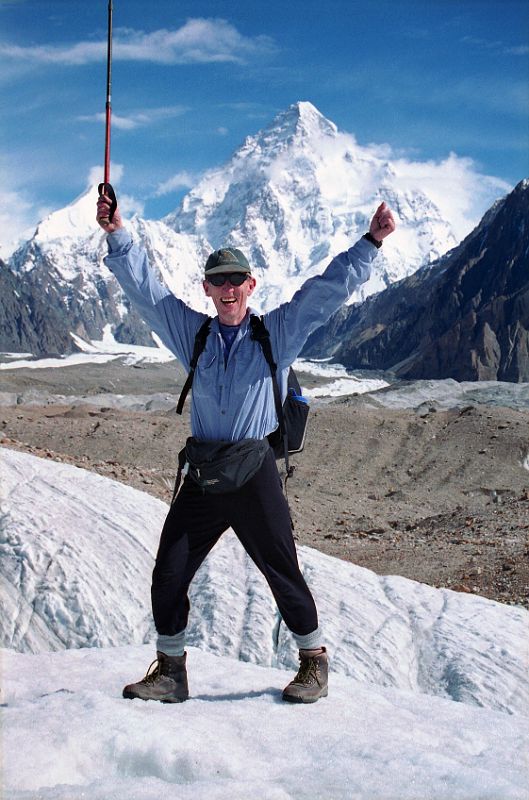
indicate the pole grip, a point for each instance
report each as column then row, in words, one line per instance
column 107, row 190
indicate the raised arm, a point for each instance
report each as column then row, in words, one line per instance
column 321, row 296
column 169, row 317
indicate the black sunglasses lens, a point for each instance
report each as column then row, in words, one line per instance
column 235, row 278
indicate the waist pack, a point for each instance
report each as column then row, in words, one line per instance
column 221, row 467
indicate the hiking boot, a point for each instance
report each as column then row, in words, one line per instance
column 311, row 682
column 167, row 682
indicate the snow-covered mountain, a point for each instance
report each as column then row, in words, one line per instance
column 300, row 191
column 292, row 196
column 56, row 284
column 428, row 688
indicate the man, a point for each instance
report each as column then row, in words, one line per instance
column 233, row 401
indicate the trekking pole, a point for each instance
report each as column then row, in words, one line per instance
column 105, row 187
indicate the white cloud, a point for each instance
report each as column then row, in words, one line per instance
column 81, row 53
column 198, row 41
column 123, row 123
column 181, row 180
column 95, row 174
column 454, row 185
column 128, row 205
column 137, row 119
column 20, row 213
column 522, row 50
column 18, row 219
column 496, row 46
column 19, row 216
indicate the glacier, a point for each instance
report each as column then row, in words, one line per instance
column 429, row 688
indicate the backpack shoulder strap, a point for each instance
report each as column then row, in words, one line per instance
column 198, row 347
column 260, row 334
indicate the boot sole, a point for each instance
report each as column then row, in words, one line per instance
column 132, row 696
column 289, row 698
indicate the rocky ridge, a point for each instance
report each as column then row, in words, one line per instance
column 465, row 316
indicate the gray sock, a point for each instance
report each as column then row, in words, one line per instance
column 171, row 645
column 311, row 641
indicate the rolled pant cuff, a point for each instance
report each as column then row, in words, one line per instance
column 311, row 641
column 171, row 645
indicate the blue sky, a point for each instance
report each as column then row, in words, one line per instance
column 192, row 79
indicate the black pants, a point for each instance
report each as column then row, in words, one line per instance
column 259, row 515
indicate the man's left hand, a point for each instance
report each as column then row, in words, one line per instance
column 382, row 223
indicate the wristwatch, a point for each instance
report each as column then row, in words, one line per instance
column 372, row 239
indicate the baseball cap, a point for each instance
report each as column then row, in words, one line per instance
column 227, row 259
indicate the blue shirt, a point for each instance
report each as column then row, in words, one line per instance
column 229, row 334
column 233, row 399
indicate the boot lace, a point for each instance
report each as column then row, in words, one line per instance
column 308, row 672
column 151, row 677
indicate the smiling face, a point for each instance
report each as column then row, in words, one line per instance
column 230, row 301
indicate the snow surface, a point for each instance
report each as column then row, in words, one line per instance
column 77, row 552
column 68, row 735
column 108, row 349
column 77, row 556
column 97, row 351
column 377, row 391
column 343, row 382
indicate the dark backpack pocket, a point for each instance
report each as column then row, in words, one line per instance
column 295, row 414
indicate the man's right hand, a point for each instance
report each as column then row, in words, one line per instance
column 103, row 210
column 383, row 223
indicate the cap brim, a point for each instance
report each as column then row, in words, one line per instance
column 228, row 269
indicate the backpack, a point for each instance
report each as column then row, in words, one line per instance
column 292, row 415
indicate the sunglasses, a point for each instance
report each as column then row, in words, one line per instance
column 235, row 278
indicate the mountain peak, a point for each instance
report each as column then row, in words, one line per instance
column 305, row 115
column 76, row 219
column 299, row 124
column 301, row 119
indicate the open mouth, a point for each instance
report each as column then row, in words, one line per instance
column 228, row 301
